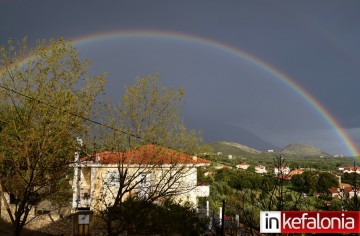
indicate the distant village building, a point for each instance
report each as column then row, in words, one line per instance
column 270, row 150
column 260, row 169
column 295, row 172
column 220, row 166
column 349, row 169
column 226, row 167
column 209, row 173
column 283, row 170
column 243, row 166
column 344, row 190
column 291, row 174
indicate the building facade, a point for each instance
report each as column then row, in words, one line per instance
column 142, row 173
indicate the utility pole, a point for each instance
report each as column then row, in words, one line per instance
column 223, row 219
column 355, row 189
column 208, row 215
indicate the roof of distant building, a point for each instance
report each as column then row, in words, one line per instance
column 243, row 164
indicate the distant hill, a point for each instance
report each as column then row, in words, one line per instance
column 232, row 148
column 295, row 155
column 302, row 150
column 235, row 149
column 220, row 131
column 242, row 147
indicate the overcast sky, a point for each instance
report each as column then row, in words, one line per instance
column 315, row 43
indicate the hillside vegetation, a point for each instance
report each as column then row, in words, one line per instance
column 302, row 150
column 295, row 155
column 235, row 149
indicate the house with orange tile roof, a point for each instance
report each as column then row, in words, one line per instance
column 344, row 191
column 295, row 172
column 260, row 169
column 291, row 174
column 148, row 169
column 243, row 166
column 283, row 170
column 334, row 192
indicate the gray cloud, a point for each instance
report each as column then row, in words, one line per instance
column 315, row 43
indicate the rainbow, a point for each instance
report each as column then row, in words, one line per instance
column 274, row 72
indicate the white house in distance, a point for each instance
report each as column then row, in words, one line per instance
column 260, row 169
column 349, row 169
column 96, row 179
column 283, row 170
column 344, row 191
column 243, row 166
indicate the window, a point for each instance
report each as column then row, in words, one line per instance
column 144, row 183
column 42, row 212
column 13, row 199
column 113, row 178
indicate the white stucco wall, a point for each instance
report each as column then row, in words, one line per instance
column 96, row 179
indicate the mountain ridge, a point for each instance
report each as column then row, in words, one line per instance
column 242, row 147
column 303, row 150
column 227, row 148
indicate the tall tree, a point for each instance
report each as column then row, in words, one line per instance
column 274, row 194
column 44, row 95
column 147, row 122
column 327, row 180
column 149, row 112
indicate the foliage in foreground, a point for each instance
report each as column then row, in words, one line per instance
column 44, row 94
column 142, row 217
column 148, row 113
column 246, row 193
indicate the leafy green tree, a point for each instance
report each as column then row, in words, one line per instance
column 336, row 205
column 167, row 218
column 352, row 204
column 224, row 175
column 306, row 182
column 43, row 96
column 251, row 168
column 325, row 181
column 148, row 113
column 297, row 181
column 245, row 180
column 275, row 193
column 351, row 178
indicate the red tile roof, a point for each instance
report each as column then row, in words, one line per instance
column 147, row 155
column 296, row 172
column 242, row 164
column 333, row 190
column 291, row 174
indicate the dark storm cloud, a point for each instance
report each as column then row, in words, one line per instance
column 315, row 43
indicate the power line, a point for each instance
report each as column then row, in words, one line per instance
column 72, row 113
column 89, row 120
column 106, row 125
